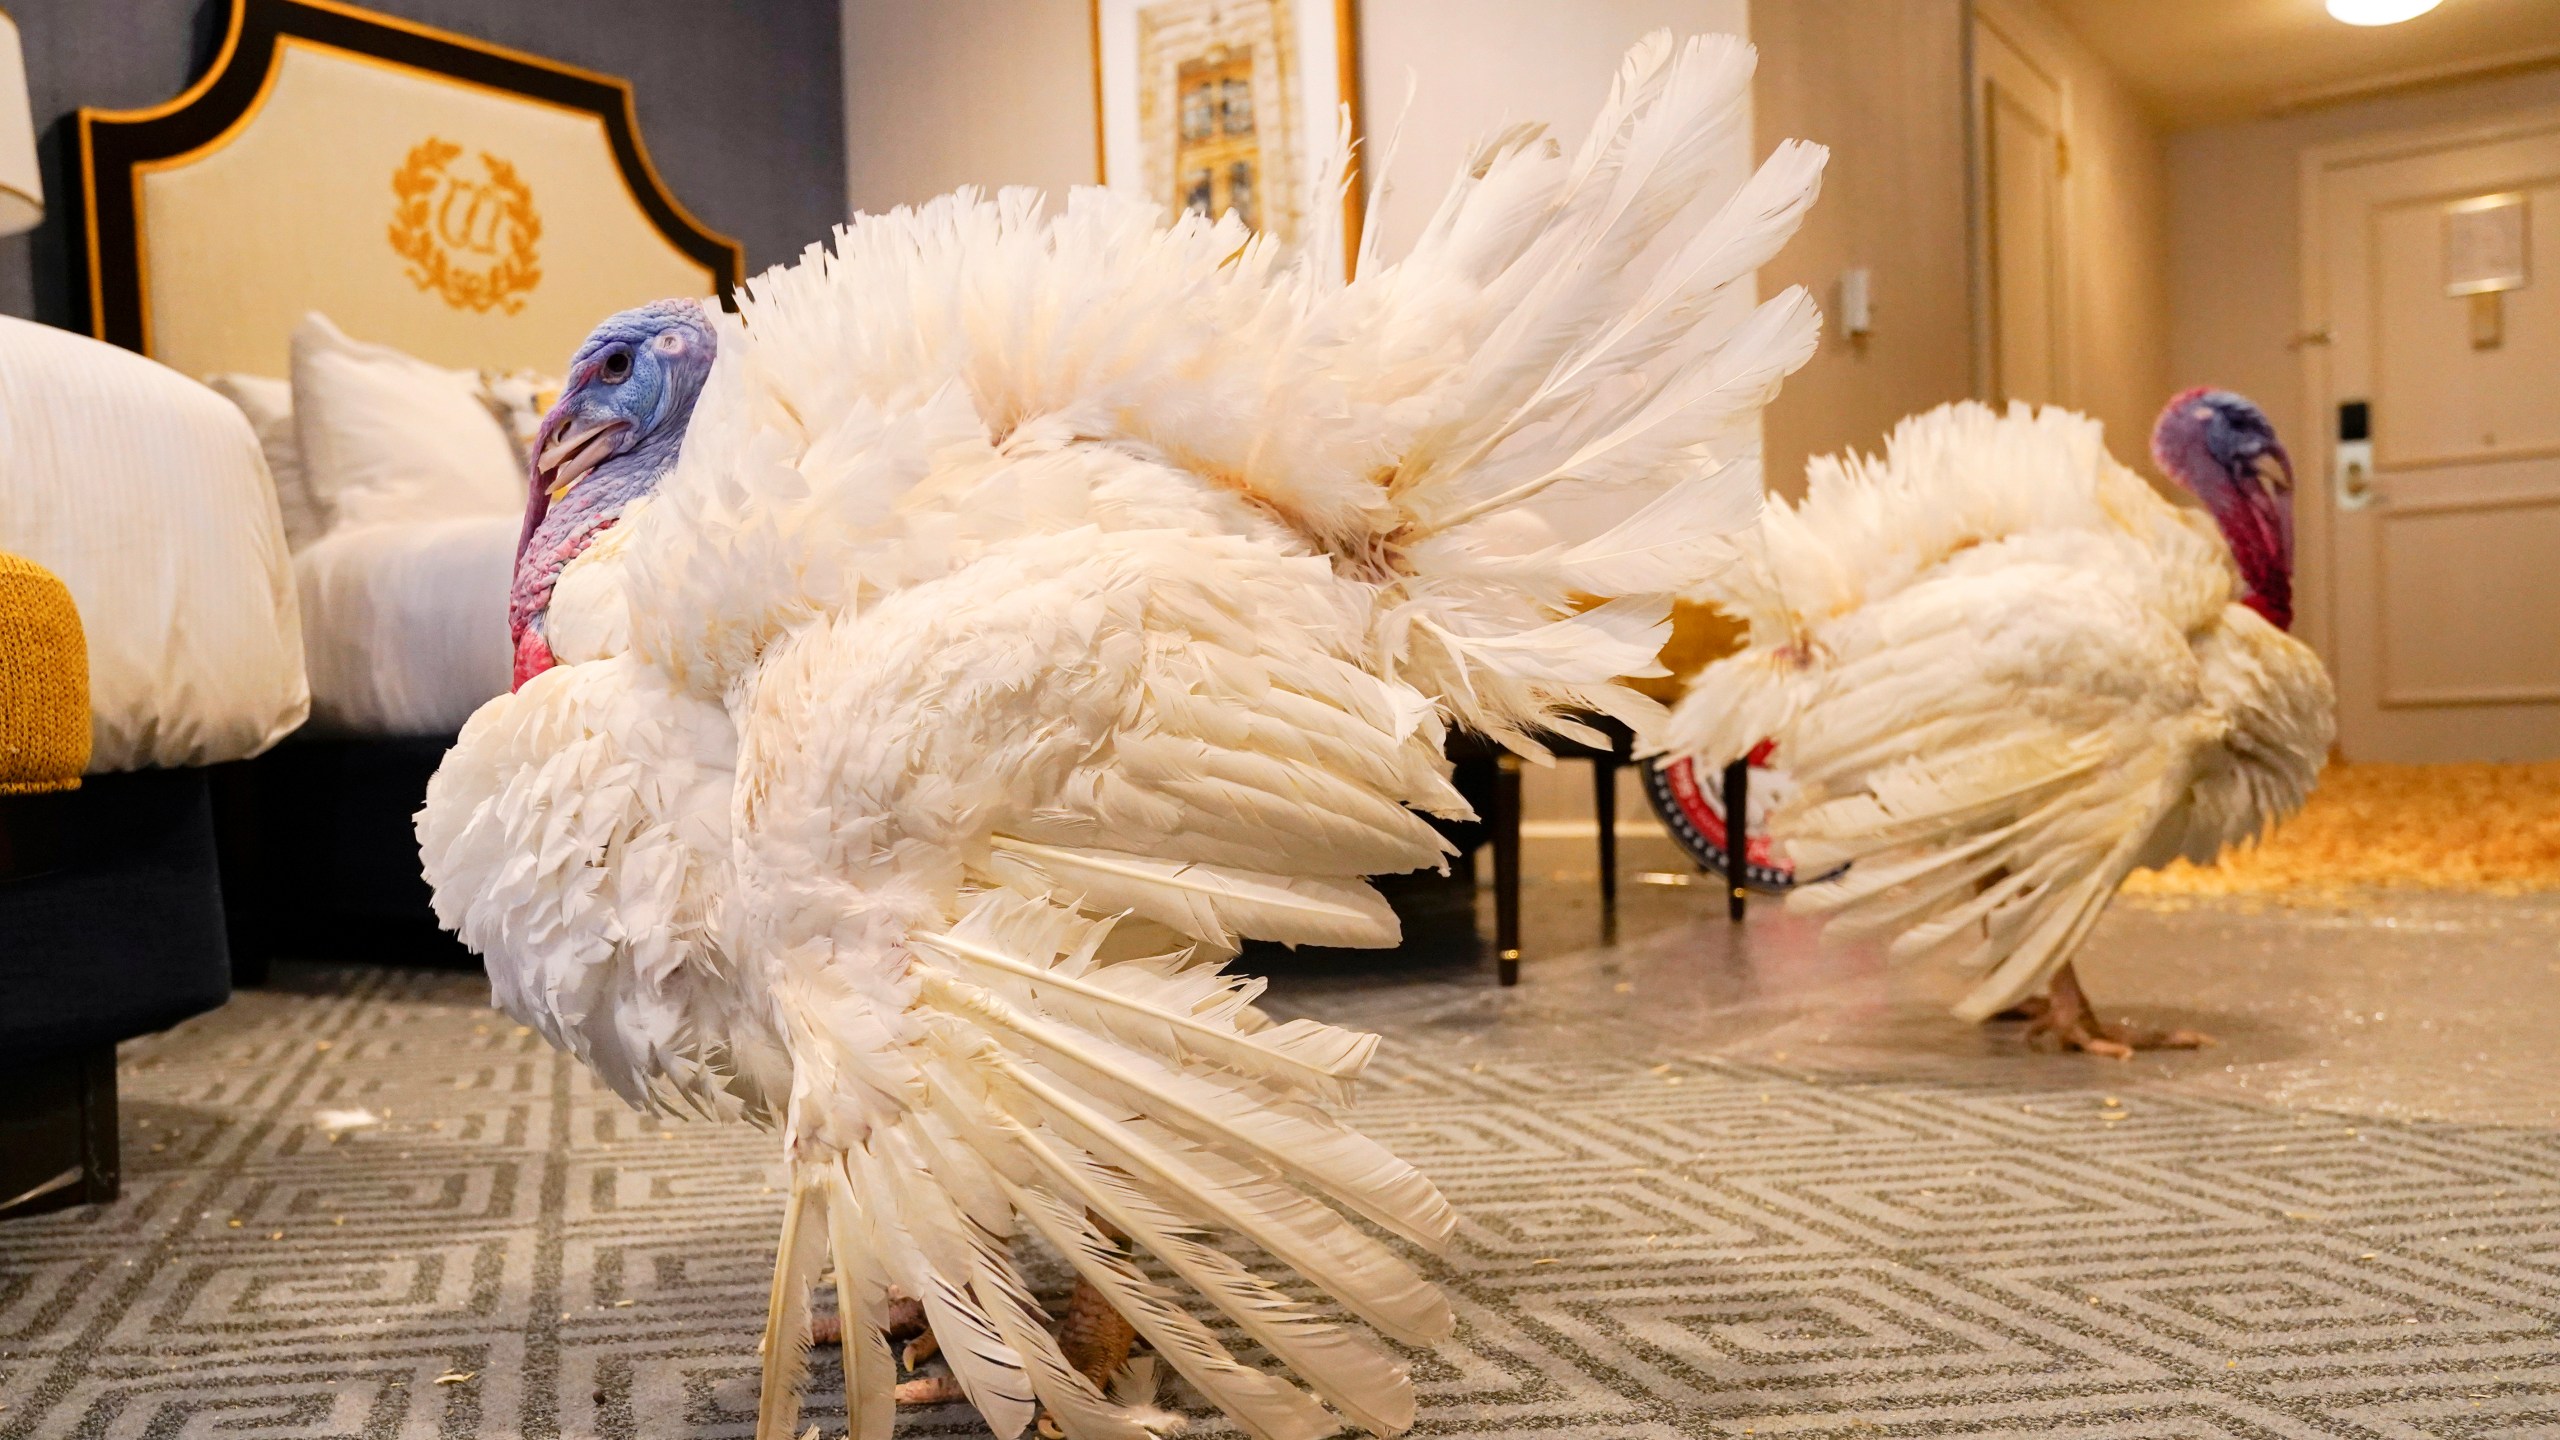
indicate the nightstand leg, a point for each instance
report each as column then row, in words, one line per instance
column 1737, row 835
column 1506, row 868
column 1604, row 809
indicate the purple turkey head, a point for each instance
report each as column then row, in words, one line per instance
column 2222, row 449
column 612, row 437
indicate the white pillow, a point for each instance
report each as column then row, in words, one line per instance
column 519, row 398
column 268, row 402
column 388, row 438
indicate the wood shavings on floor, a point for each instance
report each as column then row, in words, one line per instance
column 2477, row 829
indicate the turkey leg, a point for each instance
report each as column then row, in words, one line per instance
column 2065, row 1014
column 906, row 1325
column 1095, row 1339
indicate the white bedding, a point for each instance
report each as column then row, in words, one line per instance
column 146, row 493
column 405, row 629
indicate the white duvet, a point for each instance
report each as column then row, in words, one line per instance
column 405, row 626
column 146, row 493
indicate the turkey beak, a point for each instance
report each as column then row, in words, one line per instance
column 567, row 456
column 2274, row 470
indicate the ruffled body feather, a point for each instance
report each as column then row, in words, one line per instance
column 1043, row 604
column 2004, row 673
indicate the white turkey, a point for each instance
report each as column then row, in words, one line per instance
column 2003, row 673
column 930, row 676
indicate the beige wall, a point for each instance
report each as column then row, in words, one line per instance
column 1478, row 64
column 2116, row 358
column 1882, row 83
column 2236, row 238
column 944, row 93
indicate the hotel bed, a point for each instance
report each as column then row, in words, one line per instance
column 375, row 240
column 140, row 496
column 409, row 624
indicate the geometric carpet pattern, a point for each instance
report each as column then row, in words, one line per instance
column 1697, row 1247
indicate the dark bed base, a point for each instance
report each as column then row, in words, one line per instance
column 58, row 1133
column 322, row 860
column 332, row 868
column 111, row 926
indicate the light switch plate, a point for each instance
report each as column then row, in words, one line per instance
column 1857, row 302
column 2353, row 476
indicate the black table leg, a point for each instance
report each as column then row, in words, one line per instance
column 1737, row 835
column 58, row 1132
column 1604, row 809
column 1506, row 868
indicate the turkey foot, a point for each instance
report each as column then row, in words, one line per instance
column 2066, row 1015
column 1096, row 1340
column 906, row 1322
column 930, row 1390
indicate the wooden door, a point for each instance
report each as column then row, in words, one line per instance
column 2019, row 163
column 2442, row 566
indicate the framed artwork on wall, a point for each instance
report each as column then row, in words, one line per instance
column 1219, row 105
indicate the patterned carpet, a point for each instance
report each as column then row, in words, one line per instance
column 1654, row 1245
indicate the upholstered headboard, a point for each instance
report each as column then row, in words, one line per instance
column 470, row 204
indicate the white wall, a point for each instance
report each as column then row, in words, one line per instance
column 2236, row 236
column 1891, row 106
column 1476, row 65
column 943, row 93
column 2116, row 246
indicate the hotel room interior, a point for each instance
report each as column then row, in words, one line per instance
column 289, row 287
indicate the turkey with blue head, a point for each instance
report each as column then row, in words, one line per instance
column 608, row 441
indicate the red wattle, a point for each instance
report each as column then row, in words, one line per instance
column 533, row 656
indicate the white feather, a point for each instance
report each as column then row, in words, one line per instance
column 800, row 1257
column 1266, row 1407
column 1213, row 902
column 1296, row 1141
column 2002, row 673
column 870, row 1373
column 1318, row 1059
column 1352, row 1374
column 1022, row 561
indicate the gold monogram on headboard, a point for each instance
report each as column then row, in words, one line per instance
column 469, row 239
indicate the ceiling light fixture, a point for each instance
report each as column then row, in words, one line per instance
column 2380, row 12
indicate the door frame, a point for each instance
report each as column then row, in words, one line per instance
column 2315, row 531
column 2016, row 32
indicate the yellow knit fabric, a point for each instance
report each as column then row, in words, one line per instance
column 44, row 682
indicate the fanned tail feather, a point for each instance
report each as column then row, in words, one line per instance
column 1132, row 1004
column 1263, row 1404
column 1150, row 1095
column 1601, row 444
column 1353, row 1375
column 870, row 1373
column 1216, row 902
column 799, row 1258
